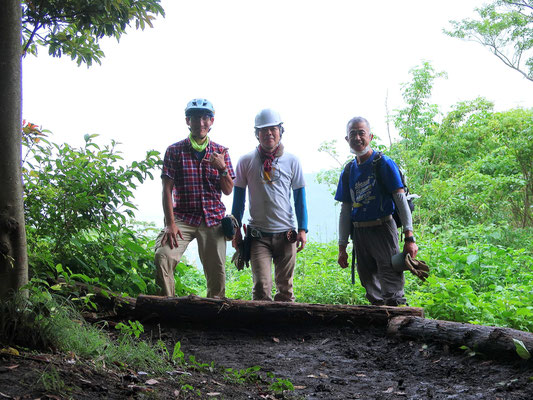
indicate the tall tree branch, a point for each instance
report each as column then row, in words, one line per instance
column 27, row 45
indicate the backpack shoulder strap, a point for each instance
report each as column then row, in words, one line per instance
column 346, row 174
column 376, row 163
column 376, row 167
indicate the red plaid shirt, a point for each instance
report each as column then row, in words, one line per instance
column 197, row 193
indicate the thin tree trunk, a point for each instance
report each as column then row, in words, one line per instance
column 388, row 117
column 13, row 250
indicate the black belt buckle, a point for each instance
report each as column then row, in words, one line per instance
column 292, row 236
column 255, row 233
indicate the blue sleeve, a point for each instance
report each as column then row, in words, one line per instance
column 343, row 190
column 391, row 175
column 239, row 199
column 300, row 206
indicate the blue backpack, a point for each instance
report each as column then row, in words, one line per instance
column 376, row 164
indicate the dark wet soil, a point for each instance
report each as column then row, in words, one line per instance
column 320, row 362
column 356, row 363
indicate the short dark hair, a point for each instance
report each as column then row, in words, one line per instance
column 357, row 120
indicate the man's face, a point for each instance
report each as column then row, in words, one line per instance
column 200, row 125
column 269, row 137
column 359, row 136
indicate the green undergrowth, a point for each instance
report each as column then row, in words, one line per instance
column 480, row 274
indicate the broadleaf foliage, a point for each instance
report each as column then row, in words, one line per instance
column 74, row 27
column 505, row 27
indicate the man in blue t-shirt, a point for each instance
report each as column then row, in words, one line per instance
column 367, row 210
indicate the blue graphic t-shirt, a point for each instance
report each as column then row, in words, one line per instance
column 368, row 201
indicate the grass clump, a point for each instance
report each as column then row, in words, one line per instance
column 43, row 321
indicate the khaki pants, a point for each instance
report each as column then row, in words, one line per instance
column 212, row 252
column 262, row 253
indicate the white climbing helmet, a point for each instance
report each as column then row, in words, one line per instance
column 267, row 117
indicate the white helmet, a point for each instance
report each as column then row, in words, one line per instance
column 267, row 117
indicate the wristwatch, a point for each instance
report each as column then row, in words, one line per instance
column 409, row 239
column 224, row 173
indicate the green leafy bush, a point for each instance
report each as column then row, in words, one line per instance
column 475, row 280
column 472, row 279
column 319, row 279
column 78, row 209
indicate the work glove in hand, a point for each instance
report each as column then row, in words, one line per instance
column 241, row 258
column 237, row 258
column 417, row 267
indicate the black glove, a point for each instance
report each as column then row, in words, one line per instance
column 241, row 258
column 229, row 225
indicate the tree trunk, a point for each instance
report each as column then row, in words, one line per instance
column 490, row 341
column 240, row 312
column 13, row 250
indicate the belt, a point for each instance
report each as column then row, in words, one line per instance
column 256, row 233
column 375, row 222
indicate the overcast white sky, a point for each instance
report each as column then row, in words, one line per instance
column 318, row 63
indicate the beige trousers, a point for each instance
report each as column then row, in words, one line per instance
column 262, row 253
column 212, row 252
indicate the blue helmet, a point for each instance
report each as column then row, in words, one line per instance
column 199, row 108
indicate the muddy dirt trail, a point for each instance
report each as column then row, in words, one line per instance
column 356, row 363
column 352, row 359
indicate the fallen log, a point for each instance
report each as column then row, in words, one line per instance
column 241, row 312
column 490, row 341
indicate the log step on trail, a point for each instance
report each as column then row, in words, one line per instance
column 489, row 341
column 196, row 309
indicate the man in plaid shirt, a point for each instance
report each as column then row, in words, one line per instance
column 196, row 171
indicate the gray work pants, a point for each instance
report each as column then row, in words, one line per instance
column 374, row 247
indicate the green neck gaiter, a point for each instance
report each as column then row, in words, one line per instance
column 196, row 146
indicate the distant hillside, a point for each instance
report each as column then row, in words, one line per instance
column 322, row 209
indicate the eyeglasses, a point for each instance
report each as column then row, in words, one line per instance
column 359, row 132
column 202, row 117
column 269, row 129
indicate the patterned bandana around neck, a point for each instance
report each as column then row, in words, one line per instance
column 268, row 158
column 196, row 146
